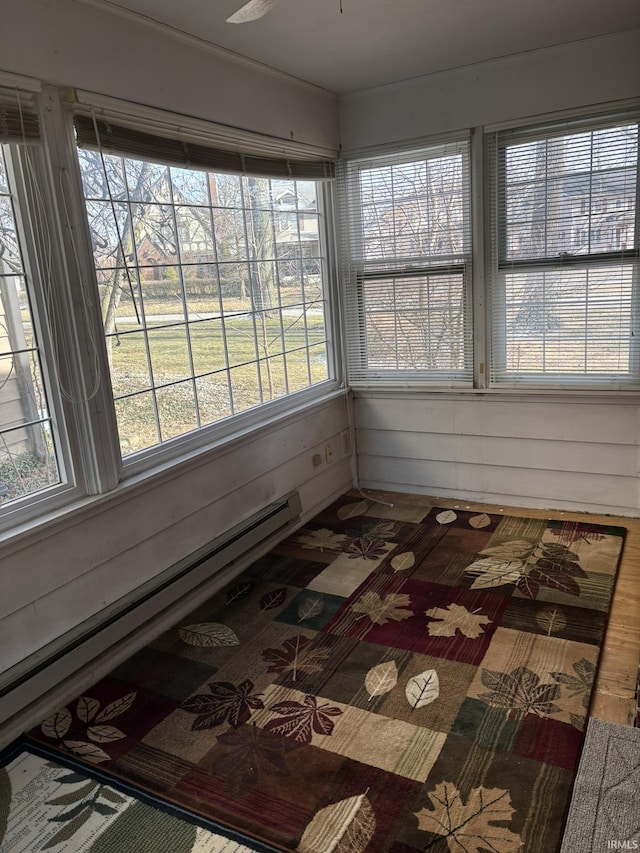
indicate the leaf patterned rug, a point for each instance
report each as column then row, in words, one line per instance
column 387, row 679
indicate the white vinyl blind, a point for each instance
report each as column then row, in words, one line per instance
column 564, row 268
column 18, row 116
column 406, row 231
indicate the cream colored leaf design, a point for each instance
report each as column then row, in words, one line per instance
column 87, row 708
column 381, row 679
column 470, row 827
column 117, row 707
column 551, row 621
column 89, row 751
column 321, row 540
column 58, row 725
column 490, row 572
column 516, row 549
column 207, row 634
column 352, row 510
column 309, row 608
column 343, row 827
column 480, row 521
column 104, row 734
column 423, row 689
column 446, row 517
column 454, row 618
column 391, row 608
column 404, row 561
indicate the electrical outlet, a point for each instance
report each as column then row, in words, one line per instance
column 328, row 453
column 345, row 442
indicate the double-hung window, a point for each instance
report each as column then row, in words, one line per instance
column 407, row 273
column 212, row 276
column 556, row 241
column 565, row 274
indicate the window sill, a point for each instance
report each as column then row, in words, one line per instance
column 630, row 397
column 73, row 513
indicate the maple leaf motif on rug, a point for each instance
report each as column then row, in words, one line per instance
column 383, row 680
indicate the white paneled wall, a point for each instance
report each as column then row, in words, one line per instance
column 564, row 77
column 83, row 565
column 580, row 454
column 93, row 47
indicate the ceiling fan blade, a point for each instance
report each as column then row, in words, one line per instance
column 251, row 11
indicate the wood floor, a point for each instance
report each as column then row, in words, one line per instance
column 614, row 699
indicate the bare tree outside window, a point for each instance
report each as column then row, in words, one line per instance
column 566, row 211
column 411, row 253
column 208, row 311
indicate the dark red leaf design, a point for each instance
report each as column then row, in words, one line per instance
column 226, row 702
column 554, row 579
column 273, row 599
column 368, row 549
column 570, row 532
column 252, row 752
column 280, row 660
column 527, row 586
column 520, row 691
column 300, row 720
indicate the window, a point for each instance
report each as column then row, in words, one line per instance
column 210, row 309
column 34, row 458
column 408, row 249
column 555, row 300
column 204, row 319
column 28, row 461
column 565, row 273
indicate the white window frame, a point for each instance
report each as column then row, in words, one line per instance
column 485, row 284
column 356, row 271
column 498, row 264
column 72, row 338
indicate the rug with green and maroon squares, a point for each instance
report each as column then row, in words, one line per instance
column 395, row 679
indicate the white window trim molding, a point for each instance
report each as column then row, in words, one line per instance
column 60, row 519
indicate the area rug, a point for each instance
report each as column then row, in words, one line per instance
column 605, row 807
column 47, row 806
column 394, row 679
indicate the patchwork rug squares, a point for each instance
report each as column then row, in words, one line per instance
column 386, row 680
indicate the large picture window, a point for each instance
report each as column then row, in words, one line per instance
column 408, row 266
column 565, row 274
column 212, row 287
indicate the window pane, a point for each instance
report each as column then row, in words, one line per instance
column 213, row 398
column 28, row 460
column 129, row 369
column 414, row 209
column 416, row 323
column 192, row 282
column 569, row 322
column 409, row 233
column 137, row 425
column 176, row 409
column 573, row 194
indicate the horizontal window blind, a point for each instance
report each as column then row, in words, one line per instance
column 113, row 138
column 564, row 260
column 406, row 231
column 18, row 116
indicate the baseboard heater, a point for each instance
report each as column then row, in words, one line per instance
column 48, row 669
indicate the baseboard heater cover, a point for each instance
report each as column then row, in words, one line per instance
column 50, row 667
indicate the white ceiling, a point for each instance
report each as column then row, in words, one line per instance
column 373, row 42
